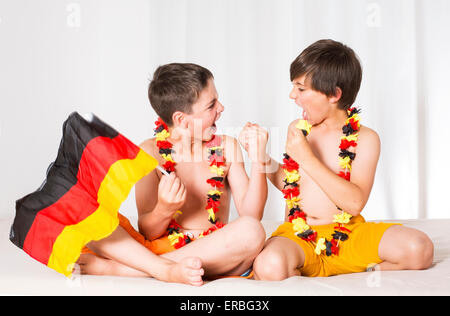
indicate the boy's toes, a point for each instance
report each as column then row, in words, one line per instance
column 194, row 270
column 197, row 283
column 196, row 280
column 193, row 263
column 91, row 264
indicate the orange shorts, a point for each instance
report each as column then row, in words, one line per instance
column 356, row 254
column 158, row 246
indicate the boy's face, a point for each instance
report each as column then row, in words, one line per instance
column 205, row 112
column 315, row 104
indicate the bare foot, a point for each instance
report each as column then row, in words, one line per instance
column 91, row 264
column 188, row 270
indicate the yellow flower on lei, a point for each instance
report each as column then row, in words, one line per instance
column 291, row 176
column 351, row 137
column 167, row 157
column 211, row 214
column 299, row 225
column 345, row 163
column 217, row 170
column 163, row 135
column 303, row 125
column 293, row 202
column 173, row 238
column 213, row 192
column 342, row 218
column 320, row 246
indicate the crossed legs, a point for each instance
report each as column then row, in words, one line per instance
column 228, row 251
column 121, row 255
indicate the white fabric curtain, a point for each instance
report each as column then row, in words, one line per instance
column 98, row 55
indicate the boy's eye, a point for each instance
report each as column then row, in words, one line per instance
column 301, row 90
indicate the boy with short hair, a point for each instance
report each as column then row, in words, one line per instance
column 326, row 179
column 183, row 216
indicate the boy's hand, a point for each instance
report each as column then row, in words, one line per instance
column 182, row 142
column 297, row 146
column 171, row 194
column 254, row 140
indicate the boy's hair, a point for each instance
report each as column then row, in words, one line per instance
column 327, row 65
column 176, row 87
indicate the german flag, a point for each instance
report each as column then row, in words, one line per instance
column 93, row 173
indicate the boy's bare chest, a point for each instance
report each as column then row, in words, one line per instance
column 326, row 148
column 194, row 173
column 314, row 200
column 194, row 176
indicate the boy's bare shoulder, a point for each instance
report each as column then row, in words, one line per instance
column 228, row 140
column 232, row 148
column 369, row 144
column 149, row 146
column 368, row 136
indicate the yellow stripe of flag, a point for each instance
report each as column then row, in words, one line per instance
column 114, row 189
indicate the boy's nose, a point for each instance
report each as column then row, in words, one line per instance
column 292, row 94
column 220, row 108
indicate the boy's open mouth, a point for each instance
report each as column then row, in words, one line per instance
column 305, row 116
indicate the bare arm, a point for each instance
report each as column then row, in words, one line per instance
column 157, row 201
column 275, row 173
column 249, row 195
column 149, row 215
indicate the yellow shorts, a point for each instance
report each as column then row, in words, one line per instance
column 356, row 254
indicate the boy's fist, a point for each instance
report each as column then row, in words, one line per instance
column 296, row 144
column 171, row 193
column 183, row 140
column 254, row 140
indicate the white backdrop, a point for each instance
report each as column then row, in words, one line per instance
column 98, row 56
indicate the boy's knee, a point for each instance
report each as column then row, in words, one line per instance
column 270, row 266
column 419, row 252
column 250, row 234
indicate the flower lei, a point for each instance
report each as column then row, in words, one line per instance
column 216, row 160
column 291, row 188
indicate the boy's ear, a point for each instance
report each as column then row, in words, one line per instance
column 336, row 97
column 178, row 118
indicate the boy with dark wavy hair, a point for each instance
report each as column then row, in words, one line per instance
column 326, row 178
column 184, row 234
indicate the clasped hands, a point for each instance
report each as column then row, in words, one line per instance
column 253, row 138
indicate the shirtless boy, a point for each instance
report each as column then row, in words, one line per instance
column 324, row 233
column 185, row 98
